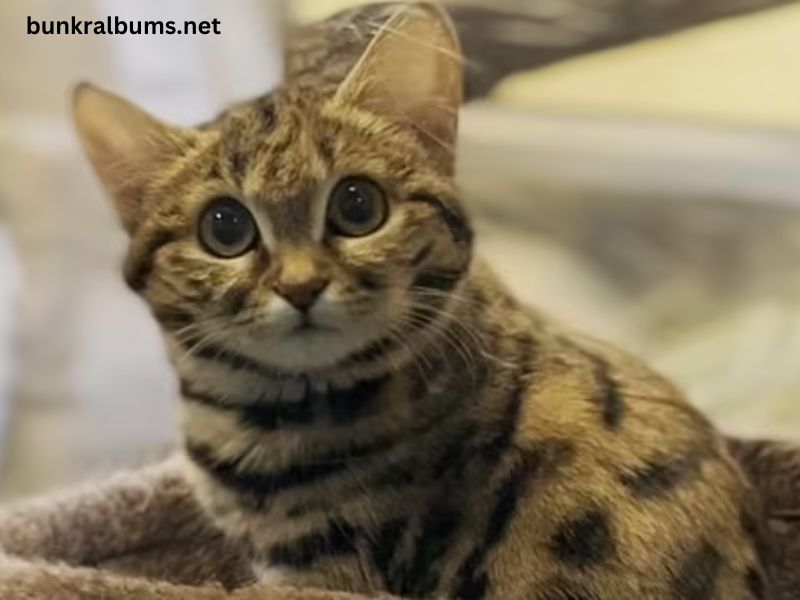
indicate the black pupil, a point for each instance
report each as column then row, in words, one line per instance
column 356, row 204
column 230, row 224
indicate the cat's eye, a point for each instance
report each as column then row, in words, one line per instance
column 357, row 207
column 226, row 228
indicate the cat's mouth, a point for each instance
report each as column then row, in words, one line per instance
column 295, row 344
column 307, row 325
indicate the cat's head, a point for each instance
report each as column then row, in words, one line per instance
column 303, row 226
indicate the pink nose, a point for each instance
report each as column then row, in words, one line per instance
column 301, row 294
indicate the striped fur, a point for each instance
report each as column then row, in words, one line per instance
column 428, row 436
column 472, row 472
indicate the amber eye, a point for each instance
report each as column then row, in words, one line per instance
column 357, row 207
column 226, row 228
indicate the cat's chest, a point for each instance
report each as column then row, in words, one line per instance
column 389, row 534
column 327, row 556
column 412, row 549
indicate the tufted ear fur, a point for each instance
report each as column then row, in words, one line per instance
column 125, row 146
column 412, row 73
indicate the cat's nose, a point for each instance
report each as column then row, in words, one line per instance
column 301, row 294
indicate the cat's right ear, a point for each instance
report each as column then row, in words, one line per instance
column 125, row 146
column 412, row 73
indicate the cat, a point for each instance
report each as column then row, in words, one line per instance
column 366, row 408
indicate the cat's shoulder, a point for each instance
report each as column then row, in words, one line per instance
column 582, row 388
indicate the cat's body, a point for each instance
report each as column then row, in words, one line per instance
column 365, row 405
column 522, row 463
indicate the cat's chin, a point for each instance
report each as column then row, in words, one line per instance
column 304, row 346
column 307, row 349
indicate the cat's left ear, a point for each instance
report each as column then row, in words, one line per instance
column 125, row 145
column 412, row 73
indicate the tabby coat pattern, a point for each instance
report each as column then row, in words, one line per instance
column 365, row 405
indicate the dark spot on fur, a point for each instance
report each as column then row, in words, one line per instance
column 395, row 476
column 453, row 218
column 383, row 548
column 443, row 280
column 369, row 280
column 749, row 523
column 500, row 440
column 755, row 583
column 373, row 352
column 754, row 529
column 454, row 459
column 337, row 540
column 258, row 412
column 660, row 477
column 280, row 415
column 421, row 256
column 348, row 405
column 172, row 318
column 508, row 497
column 267, row 112
column 139, row 267
column 610, row 397
column 327, row 150
column 471, row 579
column 437, row 529
column 236, row 299
column 584, row 542
column 696, row 575
column 474, row 588
column 298, row 512
column 238, row 163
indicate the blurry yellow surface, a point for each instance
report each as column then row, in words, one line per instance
column 307, row 11
column 744, row 70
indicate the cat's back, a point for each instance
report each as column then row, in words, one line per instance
column 623, row 476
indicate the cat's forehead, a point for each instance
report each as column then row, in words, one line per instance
column 284, row 145
column 258, row 122
column 273, row 146
column 260, row 113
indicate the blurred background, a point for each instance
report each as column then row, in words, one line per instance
column 634, row 171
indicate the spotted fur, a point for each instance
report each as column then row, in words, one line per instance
column 433, row 437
